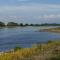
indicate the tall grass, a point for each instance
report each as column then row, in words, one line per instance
column 21, row 53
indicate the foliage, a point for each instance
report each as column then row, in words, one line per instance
column 26, row 25
column 45, row 50
column 21, row 24
column 2, row 24
column 17, row 48
column 12, row 24
column 55, row 58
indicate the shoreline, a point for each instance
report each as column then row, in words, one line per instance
column 37, row 52
column 56, row 30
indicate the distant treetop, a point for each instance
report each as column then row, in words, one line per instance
column 2, row 24
column 12, row 24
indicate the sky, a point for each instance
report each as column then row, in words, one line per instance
column 30, row 11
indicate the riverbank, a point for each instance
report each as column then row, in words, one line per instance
column 48, row 51
column 51, row 30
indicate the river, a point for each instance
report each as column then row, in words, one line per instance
column 24, row 37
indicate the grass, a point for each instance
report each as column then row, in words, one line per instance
column 48, row 51
column 56, row 30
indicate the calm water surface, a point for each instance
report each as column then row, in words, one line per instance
column 24, row 37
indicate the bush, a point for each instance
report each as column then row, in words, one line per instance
column 55, row 58
column 17, row 48
column 49, row 41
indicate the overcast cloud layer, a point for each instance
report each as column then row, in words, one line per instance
column 30, row 11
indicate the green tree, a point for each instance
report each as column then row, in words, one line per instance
column 12, row 24
column 2, row 24
column 21, row 24
column 31, row 24
column 26, row 24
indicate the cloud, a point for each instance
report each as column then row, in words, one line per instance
column 41, row 8
column 52, row 16
column 39, row 12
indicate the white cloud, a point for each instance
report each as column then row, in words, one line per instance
column 31, row 8
column 38, row 11
column 51, row 16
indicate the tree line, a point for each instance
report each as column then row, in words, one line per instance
column 2, row 24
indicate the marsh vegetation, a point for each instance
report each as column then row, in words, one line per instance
column 48, row 51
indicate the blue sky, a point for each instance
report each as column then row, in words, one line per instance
column 30, row 11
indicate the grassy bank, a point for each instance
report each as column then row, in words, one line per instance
column 48, row 51
column 51, row 30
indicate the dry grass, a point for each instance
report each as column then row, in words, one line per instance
column 38, row 52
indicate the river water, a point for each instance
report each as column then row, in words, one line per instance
column 24, row 37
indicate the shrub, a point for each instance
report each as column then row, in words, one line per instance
column 17, row 48
column 49, row 41
column 55, row 58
